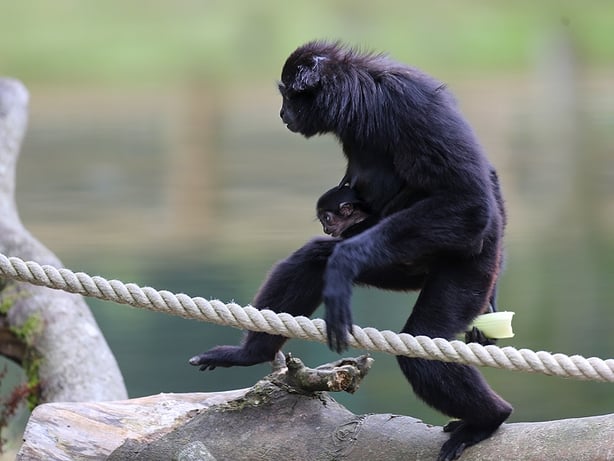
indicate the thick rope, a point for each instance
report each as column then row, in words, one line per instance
column 250, row 318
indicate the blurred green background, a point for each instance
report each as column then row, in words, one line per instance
column 155, row 155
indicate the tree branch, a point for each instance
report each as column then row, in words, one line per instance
column 52, row 334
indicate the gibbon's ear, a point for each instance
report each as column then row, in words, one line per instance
column 346, row 209
column 308, row 75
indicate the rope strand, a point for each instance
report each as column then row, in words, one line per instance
column 267, row 321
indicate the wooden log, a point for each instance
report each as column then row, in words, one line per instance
column 275, row 420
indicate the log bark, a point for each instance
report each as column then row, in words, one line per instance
column 277, row 419
column 52, row 334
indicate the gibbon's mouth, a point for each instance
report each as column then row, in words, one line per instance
column 291, row 127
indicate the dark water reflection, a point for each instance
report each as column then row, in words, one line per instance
column 200, row 190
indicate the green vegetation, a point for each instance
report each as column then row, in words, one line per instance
column 27, row 333
column 29, row 330
column 152, row 42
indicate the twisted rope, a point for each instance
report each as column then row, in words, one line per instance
column 267, row 321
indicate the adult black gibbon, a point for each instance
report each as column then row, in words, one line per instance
column 342, row 213
column 403, row 136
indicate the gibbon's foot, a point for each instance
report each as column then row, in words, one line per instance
column 228, row 356
column 452, row 425
column 463, row 435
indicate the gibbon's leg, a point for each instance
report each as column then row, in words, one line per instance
column 294, row 285
column 453, row 294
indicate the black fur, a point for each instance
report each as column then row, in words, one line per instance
column 416, row 162
column 344, row 214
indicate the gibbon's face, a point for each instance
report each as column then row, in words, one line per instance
column 299, row 111
column 301, row 88
column 291, row 108
column 335, row 223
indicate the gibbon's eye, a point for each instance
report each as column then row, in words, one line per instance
column 303, row 96
column 286, row 92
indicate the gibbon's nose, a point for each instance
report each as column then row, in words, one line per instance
column 281, row 113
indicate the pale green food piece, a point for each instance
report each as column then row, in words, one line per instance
column 495, row 325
